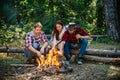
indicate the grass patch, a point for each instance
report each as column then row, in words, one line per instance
column 104, row 43
column 99, row 67
column 6, row 60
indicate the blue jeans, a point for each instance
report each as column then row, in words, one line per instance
column 30, row 54
column 82, row 47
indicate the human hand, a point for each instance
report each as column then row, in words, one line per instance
column 39, row 54
column 42, row 50
column 60, row 53
column 78, row 36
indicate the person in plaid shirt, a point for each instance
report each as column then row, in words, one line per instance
column 71, row 37
column 33, row 40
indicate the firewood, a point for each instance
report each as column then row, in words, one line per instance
column 89, row 51
column 23, row 65
column 102, row 59
column 99, row 52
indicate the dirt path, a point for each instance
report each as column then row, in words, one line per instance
column 86, row 71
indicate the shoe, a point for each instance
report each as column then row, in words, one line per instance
column 67, row 66
column 68, row 57
column 67, row 63
column 62, row 70
column 79, row 62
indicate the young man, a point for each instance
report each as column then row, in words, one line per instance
column 71, row 37
column 32, row 43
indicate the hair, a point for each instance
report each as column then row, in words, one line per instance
column 55, row 32
column 38, row 24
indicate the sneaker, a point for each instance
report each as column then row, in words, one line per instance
column 67, row 63
column 68, row 67
column 79, row 62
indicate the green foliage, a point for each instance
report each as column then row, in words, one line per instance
column 17, row 17
column 105, row 40
column 13, row 33
column 7, row 62
column 11, row 58
column 6, row 35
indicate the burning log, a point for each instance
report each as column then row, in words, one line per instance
column 50, row 69
column 51, row 63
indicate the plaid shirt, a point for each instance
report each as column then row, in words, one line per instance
column 30, row 38
column 72, row 37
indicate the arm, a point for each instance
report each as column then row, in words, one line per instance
column 63, row 37
column 35, row 51
column 78, row 36
column 62, row 47
column 54, row 42
column 43, row 47
column 44, row 39
column 28, row 44
column 82, row 34
column 62, row 42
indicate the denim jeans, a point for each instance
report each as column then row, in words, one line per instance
column 82, row 47
column 30, row 54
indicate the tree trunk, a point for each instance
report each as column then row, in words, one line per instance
column 89, row 51
column 108, row 53
column 102, row 59
column 100, row 52
column 12, row 50
column 118, row 14
column 90, row 54
column 111, row 19
column 100, row 16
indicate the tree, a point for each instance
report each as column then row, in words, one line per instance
column 112, row 19
column 100, row 17
column 117, row 2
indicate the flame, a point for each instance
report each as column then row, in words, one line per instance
column 52, row 59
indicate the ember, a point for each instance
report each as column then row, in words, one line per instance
column 52, row 63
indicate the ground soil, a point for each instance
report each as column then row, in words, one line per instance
column 86, row 71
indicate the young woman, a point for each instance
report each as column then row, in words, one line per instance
column 57, row 35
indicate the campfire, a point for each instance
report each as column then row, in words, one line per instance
column 52, row 62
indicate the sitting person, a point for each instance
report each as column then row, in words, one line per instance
column 71, row 36
column 33, row 41
column 57, row 35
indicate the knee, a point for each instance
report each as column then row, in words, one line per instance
column 35, row 45
column 85, row 41
column 66, row 44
